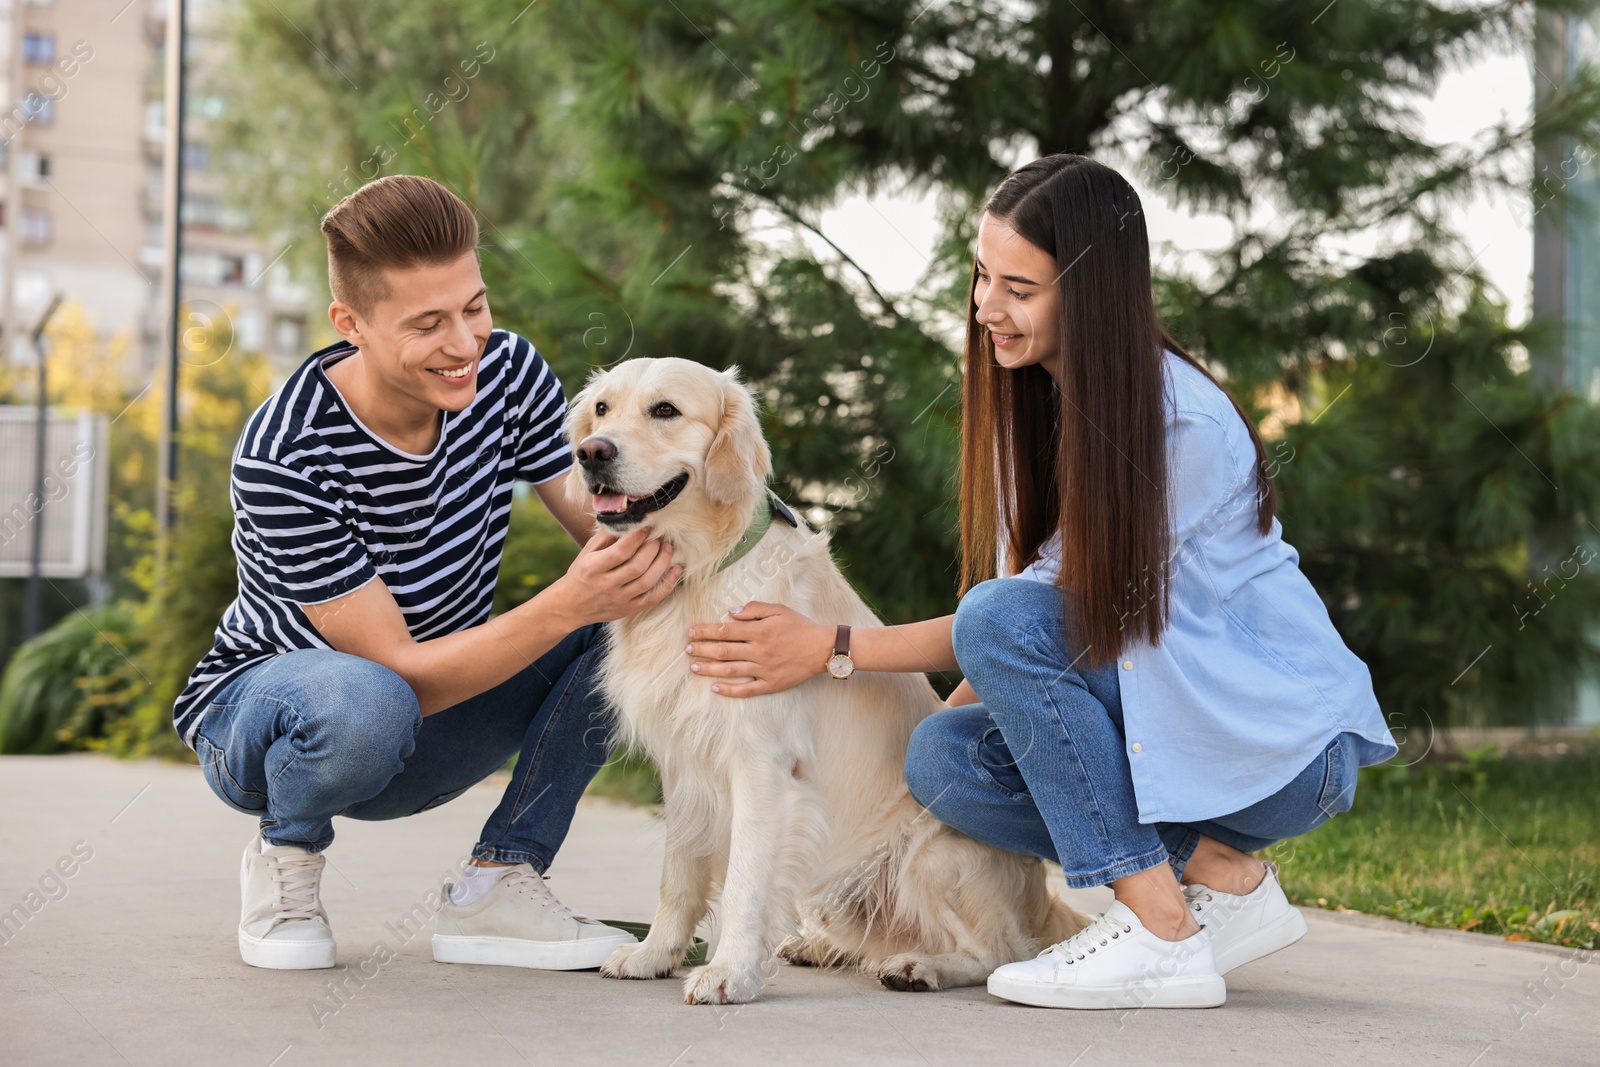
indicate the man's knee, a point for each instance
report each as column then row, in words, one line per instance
column 358, row 705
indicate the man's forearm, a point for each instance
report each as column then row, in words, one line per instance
column 446, row 670
column 913, row 647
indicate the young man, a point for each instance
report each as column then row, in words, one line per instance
column 358, row 672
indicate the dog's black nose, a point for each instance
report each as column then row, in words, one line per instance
column 595, row 452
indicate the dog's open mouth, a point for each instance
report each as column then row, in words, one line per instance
column 616, row 509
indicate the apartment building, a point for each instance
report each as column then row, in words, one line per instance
column 81, row 193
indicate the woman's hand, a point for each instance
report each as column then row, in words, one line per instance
column 963, row 694
column 775, row 646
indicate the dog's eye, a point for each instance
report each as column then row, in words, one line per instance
column 601, row 407
column 664, row 410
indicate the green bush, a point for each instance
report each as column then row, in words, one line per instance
column 628, row 776
column 65, row 688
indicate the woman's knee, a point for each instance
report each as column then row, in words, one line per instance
column 996, row 615
column 979, row 621
column 925, row 753
column 934, row 753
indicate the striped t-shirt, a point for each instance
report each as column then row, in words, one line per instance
column 322, row 504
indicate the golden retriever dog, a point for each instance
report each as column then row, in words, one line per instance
column 792, row 805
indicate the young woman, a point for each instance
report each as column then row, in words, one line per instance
column 1157, row 691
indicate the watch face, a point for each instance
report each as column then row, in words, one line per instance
column 840, row 666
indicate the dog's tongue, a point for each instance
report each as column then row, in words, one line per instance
column 609, row 502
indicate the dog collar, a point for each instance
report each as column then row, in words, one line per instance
column 770, row 507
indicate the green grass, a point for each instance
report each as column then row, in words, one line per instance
column 1503, row 846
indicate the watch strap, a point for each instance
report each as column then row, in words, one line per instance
column 841, row 641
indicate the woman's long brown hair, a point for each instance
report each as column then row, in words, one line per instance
column 1088, row 460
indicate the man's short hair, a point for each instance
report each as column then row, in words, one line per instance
column 402, row 221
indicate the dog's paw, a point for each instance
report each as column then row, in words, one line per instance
column 641, row 960
column 721, row 983
column 801, row 952
column 910, row 973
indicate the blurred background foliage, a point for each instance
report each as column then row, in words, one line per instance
column 650, row 179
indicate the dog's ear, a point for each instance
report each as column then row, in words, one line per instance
column 739, row 456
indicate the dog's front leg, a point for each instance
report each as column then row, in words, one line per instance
column 685, row 896
column 762, row 803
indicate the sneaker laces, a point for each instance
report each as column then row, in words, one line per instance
column 294, row 877
column 535, row 887
column 1197, row 894
column 1102, row 930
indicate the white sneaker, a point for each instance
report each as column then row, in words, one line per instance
column 282, row 925
column 520, row 923
column 1249, row 926
column 1114, row 962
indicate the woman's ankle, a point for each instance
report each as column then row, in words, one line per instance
column 1154, row 896
column 1237, row 876
column 1165, row 922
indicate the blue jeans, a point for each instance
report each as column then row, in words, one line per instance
column 1040, row 766
column 314, row 733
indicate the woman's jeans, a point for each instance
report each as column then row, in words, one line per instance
column 314, row 733
column 1040, row 766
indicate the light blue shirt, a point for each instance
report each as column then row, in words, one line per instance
column 1250, row 680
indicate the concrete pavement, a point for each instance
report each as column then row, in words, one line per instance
column 130, row 958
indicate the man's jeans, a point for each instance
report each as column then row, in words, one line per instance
column 1040, row 766
column 314, row 733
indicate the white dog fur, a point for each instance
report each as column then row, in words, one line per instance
column 793, row 805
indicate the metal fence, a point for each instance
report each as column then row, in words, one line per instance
column 70, row 515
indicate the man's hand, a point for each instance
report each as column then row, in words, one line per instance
column 774, row 646
column 613, row 576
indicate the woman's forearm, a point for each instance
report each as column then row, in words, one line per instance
column 915, row 647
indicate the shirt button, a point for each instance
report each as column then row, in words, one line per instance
column 1137, row 747
column 1127, row 664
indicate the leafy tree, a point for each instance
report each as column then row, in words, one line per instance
column 650, row 177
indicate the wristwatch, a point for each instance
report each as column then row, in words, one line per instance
column 840, row 665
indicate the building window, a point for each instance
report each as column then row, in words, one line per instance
column 38, row 48
column 215, row 268
column 202, row 268
column 287, row 337
column 34, row 228
column 34, row 167
column 248, row 329
column 38, row 108
column 196, row 156
column 203, row 211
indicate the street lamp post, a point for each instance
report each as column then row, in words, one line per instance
column 172, row 285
